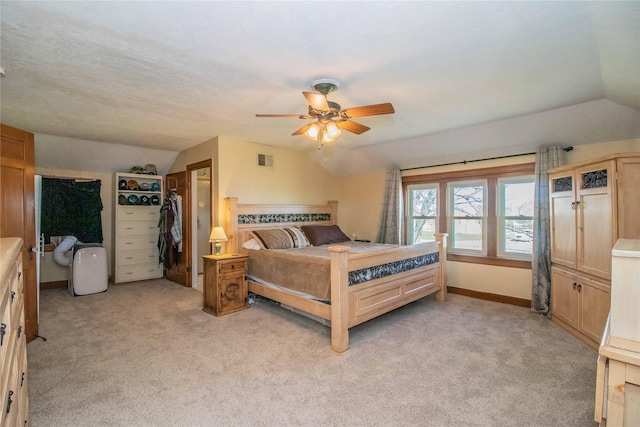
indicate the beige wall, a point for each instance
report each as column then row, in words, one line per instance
column 295, row 177
column 363, row 196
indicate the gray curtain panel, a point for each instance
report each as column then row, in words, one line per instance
column 389, row 231
column 546, row 158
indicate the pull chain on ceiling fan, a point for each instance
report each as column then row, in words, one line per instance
column 330, row 118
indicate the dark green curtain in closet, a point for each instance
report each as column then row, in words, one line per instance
column 71, row 208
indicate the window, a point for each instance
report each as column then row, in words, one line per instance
column 467, row 217
column 515, row 217
column 488, row 213
column 422, row 212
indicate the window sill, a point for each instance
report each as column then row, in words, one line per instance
column 502, row 262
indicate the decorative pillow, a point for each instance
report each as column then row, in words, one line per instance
column 324, row 234
column 273, row 238
column 299, row 239
column 252, row 244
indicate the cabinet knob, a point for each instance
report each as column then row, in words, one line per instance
column 579, row 288
column 3, row 330
column 13, row 295
column 574, row 285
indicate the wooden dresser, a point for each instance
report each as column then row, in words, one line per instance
column 618, row 375
column 13, row 342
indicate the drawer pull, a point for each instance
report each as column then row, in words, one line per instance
column 13, row 295
column 22, row 380
column 19, row 331
column 19, row 274
column 129, row 257
column 128, row 228
column 9, row 401
column 129, row 272
column 128, row 243
column 3, row 330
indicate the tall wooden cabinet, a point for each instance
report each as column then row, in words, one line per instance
column 138, row 199
column 593, row 203
column 13, row 343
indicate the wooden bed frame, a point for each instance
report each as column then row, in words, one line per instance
column 350, row 305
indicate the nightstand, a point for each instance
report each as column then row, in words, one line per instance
column 225, row 286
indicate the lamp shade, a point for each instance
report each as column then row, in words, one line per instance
column 217, row 235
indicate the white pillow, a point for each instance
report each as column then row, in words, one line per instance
column 251, row 244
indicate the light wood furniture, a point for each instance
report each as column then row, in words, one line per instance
column 349, row 305
column 225, row 285
column 618, row 374
column 136, row 239
column 13, row 343
column 593, row 203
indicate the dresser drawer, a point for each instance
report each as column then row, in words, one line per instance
column 137, row 213
column 138, row 272
column 138, row 228
column 232, row 267
column 126, row 243
column 144, row 256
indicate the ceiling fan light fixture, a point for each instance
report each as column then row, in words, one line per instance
column 327, row 138
column 313, row 131
column 332, row 130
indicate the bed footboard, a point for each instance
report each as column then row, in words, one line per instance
column 352, row 305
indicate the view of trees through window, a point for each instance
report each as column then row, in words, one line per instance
column 468, row 222
column 424, row 209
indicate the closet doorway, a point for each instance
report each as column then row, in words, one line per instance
column 201, row 218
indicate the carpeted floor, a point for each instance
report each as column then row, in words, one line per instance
column 145, row 354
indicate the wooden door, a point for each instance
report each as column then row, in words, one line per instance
column 597, row 225
column 563, row 219
column 17, row 211
column 181, row 272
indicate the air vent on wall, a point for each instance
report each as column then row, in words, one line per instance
column 265, row 160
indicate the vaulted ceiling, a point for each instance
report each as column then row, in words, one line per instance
column 171, row 75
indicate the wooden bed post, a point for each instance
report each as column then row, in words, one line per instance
column 441, row 295
column 339, row 300
column 231, row 224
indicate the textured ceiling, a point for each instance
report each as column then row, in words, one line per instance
column 171, row 75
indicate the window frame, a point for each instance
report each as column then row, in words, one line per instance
column 491, row 174
column 501, row 219
column 451, row 185
column 408, row 232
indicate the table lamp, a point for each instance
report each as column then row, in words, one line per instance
column 217, row 236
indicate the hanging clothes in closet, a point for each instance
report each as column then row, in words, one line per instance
column 170, row 225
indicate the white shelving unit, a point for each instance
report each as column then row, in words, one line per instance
column 138, row 201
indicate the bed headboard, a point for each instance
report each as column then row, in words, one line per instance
column 241, row 219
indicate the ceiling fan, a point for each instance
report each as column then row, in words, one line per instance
column 330, row 118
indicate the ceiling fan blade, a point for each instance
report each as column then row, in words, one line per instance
column 369, row 110
column 352, row 126
column 317, row 100
column 292, row 116
column 302, row 130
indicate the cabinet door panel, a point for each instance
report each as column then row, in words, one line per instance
column 563, row 230
column 232, row 291
column 564, row 298
column 596, row 234
column 594, row 303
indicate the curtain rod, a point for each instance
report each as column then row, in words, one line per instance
column 464, row 162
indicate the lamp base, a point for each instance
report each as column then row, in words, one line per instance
column 217, row 246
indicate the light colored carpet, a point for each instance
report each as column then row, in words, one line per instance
column 145, row 354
